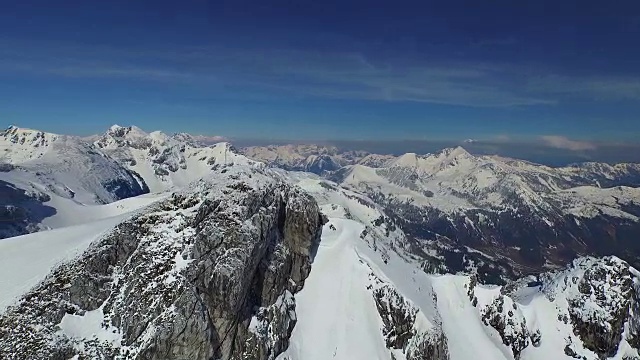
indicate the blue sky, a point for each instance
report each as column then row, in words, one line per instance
column 346, row 70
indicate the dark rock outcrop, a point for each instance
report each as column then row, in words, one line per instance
column 511, row 327
column 607, row 287
column 21, row 211
column 208, row 273
column 400, row 329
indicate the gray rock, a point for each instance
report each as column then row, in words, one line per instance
column 399, row 319
column 189, row 278
column 608, row 284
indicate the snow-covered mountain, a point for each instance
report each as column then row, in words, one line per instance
column 312, row 158
column 367, row 276
column 585, row 311
column 43, row 172
column 208, row 273
column 253, row 263
column 529, row 216
column 446, row 256
column 165, row 161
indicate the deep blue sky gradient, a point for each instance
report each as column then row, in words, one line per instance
column 344, row 70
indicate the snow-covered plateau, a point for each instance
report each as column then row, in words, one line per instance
column 136, row 245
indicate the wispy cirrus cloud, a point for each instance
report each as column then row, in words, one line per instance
column 589, row 87
column 562, row 142
column 327, row 74
column 344, row 75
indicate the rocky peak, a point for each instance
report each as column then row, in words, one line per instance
column 455, row 152
column 451, row 157
column 314, row 158
column 27, row 137
column 600, row 294
column 409, row 160
column 188, row 139
column 164, row 161
column 124, row 131
column 376, row 160
column 119, row 136
column 208, row 273
column 432, row 163
column 11, row 128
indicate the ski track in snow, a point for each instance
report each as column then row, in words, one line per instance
column 337, row 314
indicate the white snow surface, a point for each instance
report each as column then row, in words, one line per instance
column 337, row 317
column 90, row 325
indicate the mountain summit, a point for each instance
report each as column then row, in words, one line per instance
column 164, row 161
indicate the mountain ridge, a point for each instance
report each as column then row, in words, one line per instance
column 444, row 256
column 39, row 169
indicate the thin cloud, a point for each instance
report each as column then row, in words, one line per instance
column 343, row 75
column 562, row 142
column 89, row 70
column 298, row 73
column 596, row 88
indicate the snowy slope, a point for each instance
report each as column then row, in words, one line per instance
column 341, row 314
column 470, row 320
column 42, row 175
column 26, row 260
column 165, row 161
column 42, row 251
column 236, row 245
column 64, row 165
column 336, row 313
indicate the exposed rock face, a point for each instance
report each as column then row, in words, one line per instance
column 398, row 317
column 525, row 240
column 403, row 330
column 600, row 307
column 206, row 274
column 599, row 297
column 511, row 325
column 21, row 210
column 594, row 301
column 633, row 336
